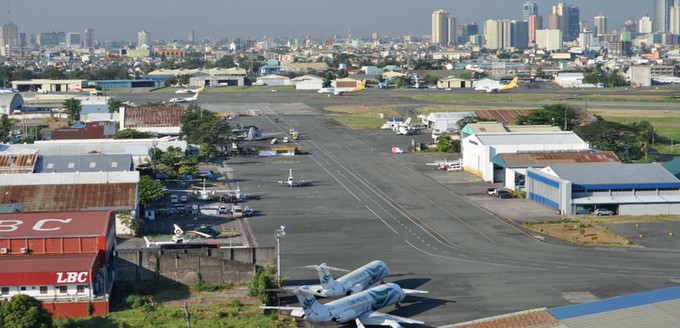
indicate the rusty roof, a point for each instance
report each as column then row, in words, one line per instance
column 146, row 117
column 91, row 130
column 546, row 159
column 18, row 163
column 71, row 197
column 539, row 318
column 507, row 116
column 57, row 224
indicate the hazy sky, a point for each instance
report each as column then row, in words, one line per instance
column 121, row 19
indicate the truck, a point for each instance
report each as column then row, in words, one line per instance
column 397, row 150
column 236, row 211
column 295, row 134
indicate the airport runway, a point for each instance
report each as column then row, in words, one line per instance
column 369, row 204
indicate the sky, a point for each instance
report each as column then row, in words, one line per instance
column 173, row 19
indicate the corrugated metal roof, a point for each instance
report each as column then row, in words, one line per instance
column 507, row 116
column 145, row 117
column 612, row 174
column 538, row 318
column 661, row 315
column 71, row 224
column 85, row 163
column 20, row 163
column 72, row 197
column 59, row 263
column 546, row 159
column 538, row 138
column 92, row 130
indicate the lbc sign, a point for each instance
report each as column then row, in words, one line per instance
column 42, row 225
column 71, row 277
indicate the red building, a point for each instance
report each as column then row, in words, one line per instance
column 63, row 259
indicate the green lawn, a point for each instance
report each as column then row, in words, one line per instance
column 534, row 97
column 666, row 124
column 361, row 117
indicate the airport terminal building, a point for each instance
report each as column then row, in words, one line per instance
column 625, row 189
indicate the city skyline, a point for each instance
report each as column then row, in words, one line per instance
column 210, row 18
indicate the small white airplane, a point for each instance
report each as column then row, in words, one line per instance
column 359, row 307
column 342, row 91
column 178, row 238
column 237, row 194
column 187, row 99
column 489, row 85
column 188, row 91
column 292, row 182
column 445, row 164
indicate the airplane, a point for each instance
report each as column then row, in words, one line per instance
column 178, row 238
column 187, row 99
column 387, row 84
column 185, row 91
column 342, row 91
column 445, row 165
column 353, row 282
column 201, row 194
column 203, row 231
column 291, row 182
column 236, row 195
column 489, row 85
column 359, row 307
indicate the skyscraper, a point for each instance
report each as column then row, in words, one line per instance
column 535, row 23
column 10, row 35
column 142, row 39
column 443, row 28
column 600, row 24
column 73, row 39
column 88, row 38
column 567, row 17
column 674, row 19
column 505, row 34
column 530, row 9
column 192, row 36
column 660, row 22
column 645, row 25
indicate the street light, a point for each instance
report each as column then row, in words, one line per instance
column 280, row 233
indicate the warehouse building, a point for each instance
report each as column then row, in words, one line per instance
column 625, row 189
column 63, row 259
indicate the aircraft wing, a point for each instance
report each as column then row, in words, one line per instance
column 296, row 311
column 414, row 291
column 312, row 289
column 383, row 319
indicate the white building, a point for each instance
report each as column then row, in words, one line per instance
column 445, row 121
column 640, row 75
column 273, row 80
column 478, row 150
column 549, row 40
column 570, row 80
column 307, row 82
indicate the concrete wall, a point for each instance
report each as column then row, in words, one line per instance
column 236, row 265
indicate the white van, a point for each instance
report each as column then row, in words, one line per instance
column 174, row 199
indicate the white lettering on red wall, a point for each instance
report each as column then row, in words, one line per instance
column 71, row 277
column 42, row 225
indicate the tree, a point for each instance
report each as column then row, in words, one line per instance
column 6, row 125
column 23, row 311
column 208, row 151
column 624, row 140
column 263, row 280
column 555, row 114
column 131, row 134
column 149, row 190
column 646, row 136
column 200, row 126
column 226, row 61
column 445, row 144
column 73, row 109
column 400, row 81
column 432, row 80
column 115, row 105
column 175, row 164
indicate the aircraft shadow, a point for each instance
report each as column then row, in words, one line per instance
column 411, row 283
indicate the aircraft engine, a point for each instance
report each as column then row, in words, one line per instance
column 347, row 315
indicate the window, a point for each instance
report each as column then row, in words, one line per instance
column 81, row 288
column 4, row 290
column 43, row 289
column 23, row 288
column 63, row 289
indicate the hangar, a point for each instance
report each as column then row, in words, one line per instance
column 9, row 102
column 625, row 189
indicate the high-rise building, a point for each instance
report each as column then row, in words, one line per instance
column 600, row 25
column 73, row 39
column 584, row 26
column 674, row 20
column 49, row 39
column 470, row 29
column 535, row 23
column 192, row 36
column 10, row 35
column 506, row 34
column 660, row 22
column 585, row 39
column 520, row 35
column 568, row 18
column 645, row 25
column 88, row 38
column 443, row 28
column 143, row 39
column 550, row 40
column 630, row 26
column 530, row 9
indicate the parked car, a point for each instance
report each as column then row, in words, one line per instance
column 248, row 211
column 492, row 191
column 183, row 198
column 504, row 194
column 603, row 211
column 223, row 210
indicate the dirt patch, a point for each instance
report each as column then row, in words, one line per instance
column 580, row 233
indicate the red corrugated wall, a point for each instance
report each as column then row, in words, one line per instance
column 76, row 309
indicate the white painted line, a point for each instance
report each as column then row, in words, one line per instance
column 381, row 219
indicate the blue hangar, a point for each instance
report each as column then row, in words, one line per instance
column 625, row 189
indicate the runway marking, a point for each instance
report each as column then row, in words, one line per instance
column 589, row 269
column 470, row 261
column 656, row 273
column 621, row 271
column 561, row 267
column 484, row 258
column 381, row 219
column 336, row 179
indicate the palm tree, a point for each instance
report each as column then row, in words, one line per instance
column 73, row 109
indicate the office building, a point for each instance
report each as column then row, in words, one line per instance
column 645, row 25
column 50, row 39
column 585, row 39
column 566, row 19
column 470, row 29
column 535, row 23
column 88, row 38
column 506, row 34
column 192, row 36
column 73, row 39
column 674, row 19
column 10, row 35
column 600, row 25
column 530, row 9
column 550, row 40
column 143, row 39
column 660, row 21
column 520, row 35
column 443, row 28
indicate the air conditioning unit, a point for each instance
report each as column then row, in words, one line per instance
column 24, row 250
column 4, row 250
